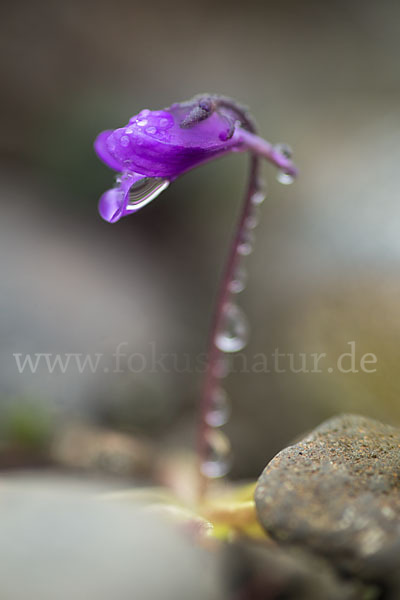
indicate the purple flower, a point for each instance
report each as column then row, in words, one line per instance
column 158, row 146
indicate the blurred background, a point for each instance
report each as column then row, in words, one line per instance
column 321, row 76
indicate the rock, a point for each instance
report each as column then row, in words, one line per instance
column 64, row 539
column 102, row 451
column 337, row 492
column 257, row 571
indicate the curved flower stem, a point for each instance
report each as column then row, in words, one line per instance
column 214, row 354
column 263, row 148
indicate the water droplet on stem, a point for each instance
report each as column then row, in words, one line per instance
column 284, row 178
column 233, row 334
column 258, row 197
column 253, row 219
column 284, row 149
column 238, row 282
column 245, row 246
column 219, row 410
column 218, row 455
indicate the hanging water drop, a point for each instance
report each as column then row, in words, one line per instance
column 245, row 246
column 217, row 456
column 284, row 178
column 144, row 191
column 284, row 149
column 258, row 197
column 238, row 282
column 219, row 410
column 253, row 219
column 233, row 334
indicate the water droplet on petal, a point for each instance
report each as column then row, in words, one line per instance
column 125, row 141
column 233, row 334
column 238, row 283
column 220, row 410
column 151, row 130
column 218, row 455
column 144, row 191
column 284, row 178
column 245, row 246
column 164, row 122
column 141, row 122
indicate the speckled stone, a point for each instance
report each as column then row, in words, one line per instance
column 256, row 571
column 337, row 491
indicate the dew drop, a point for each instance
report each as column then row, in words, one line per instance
column 125, row 141
column 284, row 149
column 284, row 178
column 220, row 410
column 238, row 282
column 164, row 122
column 218, row 455
column 245, row 246
column 142, row 122
column 144, row 191
column 258, row 197
column 261, row 184
column 221, row 367
column 151, row 130
column 145, row 112
column 253, row 219
column 233, row 334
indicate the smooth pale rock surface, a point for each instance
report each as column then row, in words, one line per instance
column 337, row 492
column 62, row 540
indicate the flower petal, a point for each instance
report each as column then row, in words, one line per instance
column 110, row 205
column 102, row 151
column 156, row 144
column 117, row 202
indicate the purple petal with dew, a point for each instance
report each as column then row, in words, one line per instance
column 102, row 150
column 155, row 144
column 110, row 205
column 119, row 201
column 156, row 147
